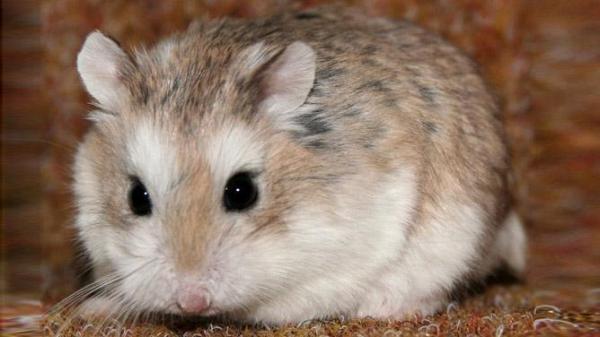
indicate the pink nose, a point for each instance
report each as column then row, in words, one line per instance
column 193, row 302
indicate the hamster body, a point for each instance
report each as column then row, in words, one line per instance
column 307, row 165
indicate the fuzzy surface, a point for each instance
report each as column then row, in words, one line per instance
column 519, row 310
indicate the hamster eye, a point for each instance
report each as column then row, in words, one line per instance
column 240, row 192
column 139, row 198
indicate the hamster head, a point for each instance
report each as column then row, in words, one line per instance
column 192, row 197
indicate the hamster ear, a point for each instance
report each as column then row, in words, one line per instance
column 99, row 64
column 286, row 80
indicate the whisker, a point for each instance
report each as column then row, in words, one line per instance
column 108, row 316
column 64, row 307
column 129, row 306
column 83, row 292
column 143, row 287
column 71, row 316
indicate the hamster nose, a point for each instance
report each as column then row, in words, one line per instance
column 193, row 302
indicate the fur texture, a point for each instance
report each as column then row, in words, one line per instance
column 377, row 150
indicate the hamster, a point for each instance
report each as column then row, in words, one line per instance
column 309, row 165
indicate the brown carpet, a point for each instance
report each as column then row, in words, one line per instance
column 501, row 311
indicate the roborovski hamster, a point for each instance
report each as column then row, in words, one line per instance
column 307, row 165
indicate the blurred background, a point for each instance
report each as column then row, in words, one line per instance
column 541, row 57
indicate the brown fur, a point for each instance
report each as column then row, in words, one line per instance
column 425, row 107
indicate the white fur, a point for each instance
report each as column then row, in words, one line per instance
column 254, row 56
column 332, row 254
column 137, row 252
column 99, row 63
column 437, row 255
column 165, row 51
column 138, row 256
column 361, row 236
column 152, row 156
column 89, row 210
column 358, row 235
column 231, row 149
column 348, row 256
column 151, row 281
column 511, row 243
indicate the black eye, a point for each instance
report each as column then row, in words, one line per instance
column 139, row 198
column 240, row 192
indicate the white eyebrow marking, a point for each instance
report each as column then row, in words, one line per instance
column 153, row 157
column 231, row 149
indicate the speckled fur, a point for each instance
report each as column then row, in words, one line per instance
column 389, row 99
